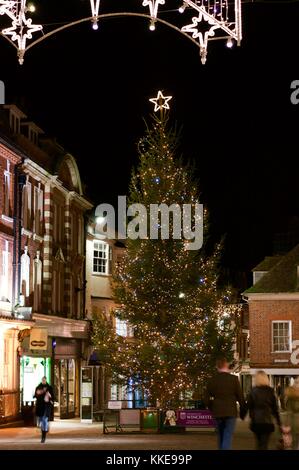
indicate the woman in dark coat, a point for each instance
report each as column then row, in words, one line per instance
column 263, row 407
column 43, row 406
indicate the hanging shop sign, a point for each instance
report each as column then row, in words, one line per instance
column 195, row 418
column 38, row 339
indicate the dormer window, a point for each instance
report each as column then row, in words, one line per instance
column 14, row 122
column 33, row 136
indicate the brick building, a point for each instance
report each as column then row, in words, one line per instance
column 101, row 258
column 274, row 317
column 50, row 255
column 10, row 324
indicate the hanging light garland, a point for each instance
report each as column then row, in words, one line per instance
column 221, row 19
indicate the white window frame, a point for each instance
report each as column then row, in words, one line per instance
column 290, row 335
column 106, row 245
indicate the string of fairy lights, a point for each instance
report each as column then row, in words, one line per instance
column 213, row 19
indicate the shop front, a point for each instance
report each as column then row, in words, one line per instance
column 10, row 329
column 67, row 360
column 34, row 364
column 68, row 340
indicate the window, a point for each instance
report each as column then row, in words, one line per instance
column 58, row 223
column 123, row 328
column 14, row 122
column 6, row 190
column 100, row 257
column 33, row 136
column 38, row 209
column 27, row 205
column 281, row 336
column 4, row 273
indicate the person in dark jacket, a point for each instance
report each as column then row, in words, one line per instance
column 222, row 394
column 263, row 407
column 44, row 401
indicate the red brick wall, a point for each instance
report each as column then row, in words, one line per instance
column 261, row 315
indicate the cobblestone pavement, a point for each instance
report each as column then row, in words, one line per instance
column 74, row 435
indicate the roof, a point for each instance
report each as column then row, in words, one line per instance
column 282, row 277
column 268, row 263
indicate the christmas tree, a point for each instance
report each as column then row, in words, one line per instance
column 166, row 292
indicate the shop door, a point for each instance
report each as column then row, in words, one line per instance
column 64, row 372
column 32, row 369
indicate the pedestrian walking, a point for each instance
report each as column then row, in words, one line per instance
column 43, row 406
column 263, row 410
column 292, row 408
column 222, row 394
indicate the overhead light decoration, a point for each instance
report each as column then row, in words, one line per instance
column 95, row 6
column 22, row 27
column 220, row 18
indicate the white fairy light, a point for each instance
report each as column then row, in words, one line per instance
column 229, row 43
column 31, row 8
column 152, row 26
column 161, row 102
column 183, row 7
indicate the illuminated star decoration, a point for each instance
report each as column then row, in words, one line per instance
column 21, row 30
column 9, row 8
column 161, row 102
column 203, row 37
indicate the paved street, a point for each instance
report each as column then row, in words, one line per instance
column 71, row 434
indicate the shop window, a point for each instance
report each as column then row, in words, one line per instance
column 281, row 336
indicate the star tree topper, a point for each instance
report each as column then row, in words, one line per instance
column 161, row 102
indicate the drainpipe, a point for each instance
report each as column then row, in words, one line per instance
column 19, row 181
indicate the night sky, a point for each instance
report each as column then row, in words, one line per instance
column 90, row 89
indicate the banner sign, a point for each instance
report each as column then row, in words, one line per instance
column 193, row 418
column 38, row 339
column 86, row 394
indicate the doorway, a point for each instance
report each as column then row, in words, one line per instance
column 65, row 388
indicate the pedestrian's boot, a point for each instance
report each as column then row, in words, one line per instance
column 43, row 436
